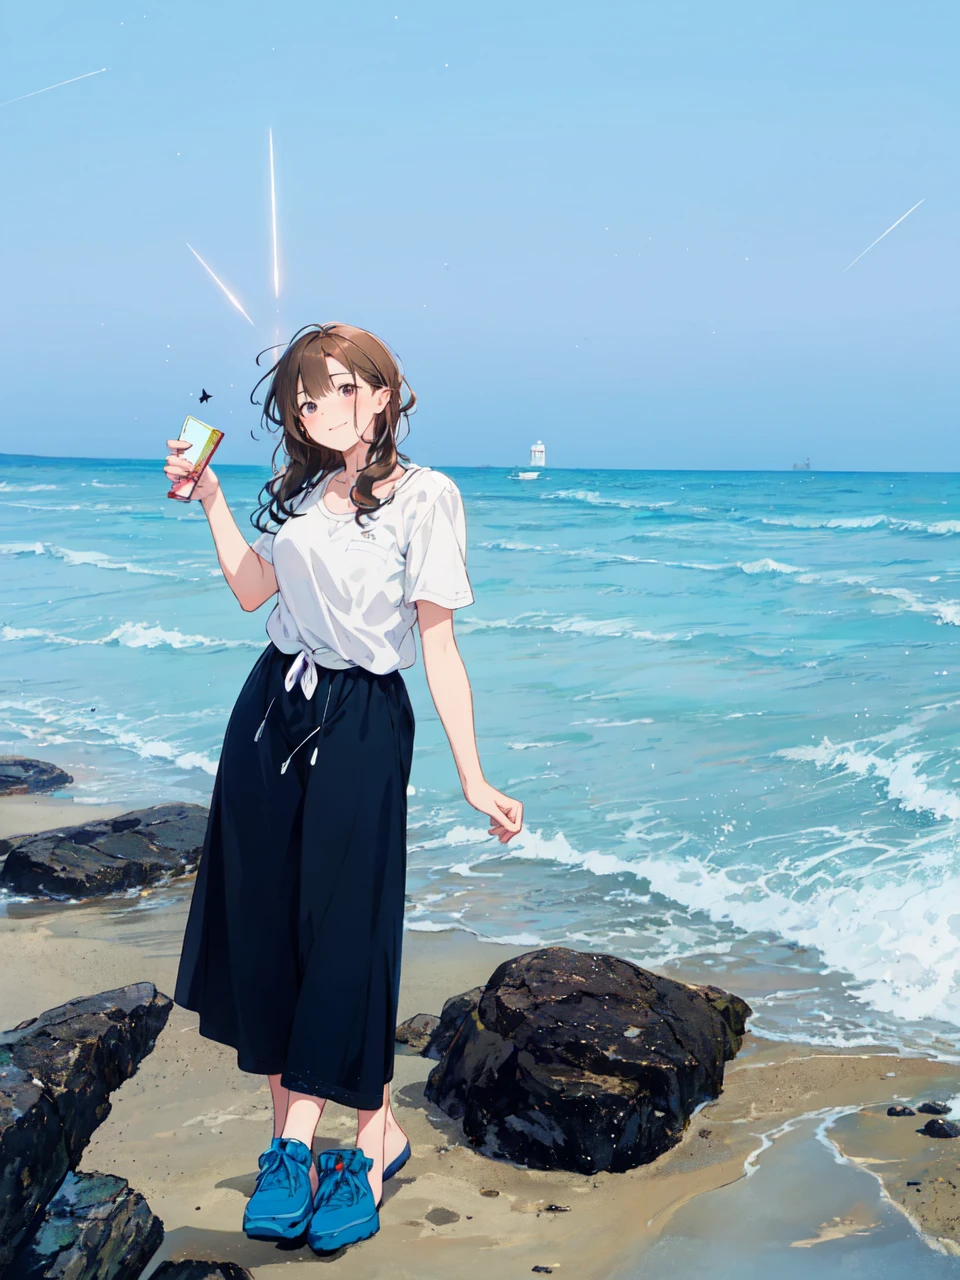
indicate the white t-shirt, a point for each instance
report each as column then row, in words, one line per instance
column 347, row 592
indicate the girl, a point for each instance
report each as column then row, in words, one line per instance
column 292, row 946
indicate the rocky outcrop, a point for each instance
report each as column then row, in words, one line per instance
column 57, row 1072
column 193, row 1270
column 940, row 1128
column 585, row 1062
column 97, row 858
column 20, row 776
column 96, row 1228
column 431, row 1036
column 454, row 1011
column 417, row 1032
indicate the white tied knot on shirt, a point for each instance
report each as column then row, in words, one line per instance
column 304, row 669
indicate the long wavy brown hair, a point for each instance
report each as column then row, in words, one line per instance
column 299, row 462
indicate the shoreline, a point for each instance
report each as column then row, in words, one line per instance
column 187, row 1129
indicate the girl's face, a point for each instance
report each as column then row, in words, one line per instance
column 345, row 415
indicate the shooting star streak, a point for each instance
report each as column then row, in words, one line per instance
column 220, row 283
column 886, row 233
column 273, row 212
column 58, row 85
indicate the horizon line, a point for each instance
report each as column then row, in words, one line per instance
column 522, row 466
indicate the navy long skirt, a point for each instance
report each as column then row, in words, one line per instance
column 292, row 946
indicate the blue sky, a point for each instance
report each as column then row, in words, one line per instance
column 620, row 227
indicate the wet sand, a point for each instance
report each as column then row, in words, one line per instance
column 187, row 1129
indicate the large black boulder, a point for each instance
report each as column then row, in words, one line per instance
column 20, row 776
column 585, row 1062
column 191, row 1269
column 97, row 858
column 451, row 1019
column 96, row 1228
column 56, row 1074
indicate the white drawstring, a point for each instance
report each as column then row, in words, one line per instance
column 303, row 668
column 258, row 734
column 313, row 758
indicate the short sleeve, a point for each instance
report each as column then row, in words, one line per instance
column 436, row 568
column 263, row 546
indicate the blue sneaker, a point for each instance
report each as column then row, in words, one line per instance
column 282, row 1200
column 396, row 1165
column 344, row 1211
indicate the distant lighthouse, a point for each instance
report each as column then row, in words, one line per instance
column 538, row 454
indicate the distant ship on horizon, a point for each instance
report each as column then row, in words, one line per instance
column 802, row 466
column 538, row 459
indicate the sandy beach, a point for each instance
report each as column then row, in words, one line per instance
column 187, row 1129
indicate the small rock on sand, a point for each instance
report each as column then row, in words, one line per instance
column 940, row 1128
column 20, row 776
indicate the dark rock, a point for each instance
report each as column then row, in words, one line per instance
column 192, row 1270
column 97, row 858
column 900, row 1111
column 20, row 776
column 56, row 1074
column 95, row 1227
column 585, row 1062
column 940, row 1128
column 934, row 1108
column 556, row 1208
column 452, row 1016
column 416, row 1031
column 33, row 1155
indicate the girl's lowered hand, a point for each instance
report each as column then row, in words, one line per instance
column 506, row 814
column 177, row 468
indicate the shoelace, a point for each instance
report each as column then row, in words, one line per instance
column 339, row 1187
column 277, row 1169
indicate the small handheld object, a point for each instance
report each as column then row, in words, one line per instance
column 203, row 445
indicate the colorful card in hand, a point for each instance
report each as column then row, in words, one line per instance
column 203, row 444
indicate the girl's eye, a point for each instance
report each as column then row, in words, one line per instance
column 348, row 390
column 308, row 406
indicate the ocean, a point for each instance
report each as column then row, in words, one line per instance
column 727, row 701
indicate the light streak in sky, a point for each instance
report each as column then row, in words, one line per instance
column 220, row 283
column 58, row 85
column 886, row 233
column 273, row 212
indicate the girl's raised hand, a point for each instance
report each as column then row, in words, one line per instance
column 177, row 468
column 505, row 813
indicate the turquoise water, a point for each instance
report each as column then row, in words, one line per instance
column 727, row 702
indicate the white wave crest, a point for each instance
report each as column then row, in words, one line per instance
column 617, row 628
column 766, row 565
column 21, row 549
column 595, row 499
column 99, row 560
column 899, row 939
column 904, row 784
column 897, row 524
column 612, row 724
column 52, row 721
column 946, row 612
column 130, row 635
column 7, row 487
column 96, row 559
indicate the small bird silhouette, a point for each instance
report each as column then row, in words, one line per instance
column 205, row 396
